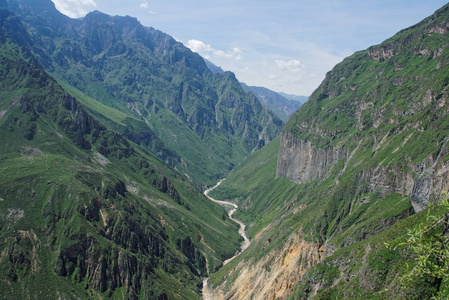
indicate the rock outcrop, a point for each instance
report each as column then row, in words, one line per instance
column 422, row 182
column 301, row 161
column 380, row 112
column 273, row 277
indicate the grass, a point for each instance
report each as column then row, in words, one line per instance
column 381, row 112
column 55, row 199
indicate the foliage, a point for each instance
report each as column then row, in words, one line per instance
column 87, row 213
column 151, row 89
column 429, row 243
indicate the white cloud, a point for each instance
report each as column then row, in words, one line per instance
column 292, row 66
column 146, row 4
column 209, row 52
column 198, row 46
column 75, row 8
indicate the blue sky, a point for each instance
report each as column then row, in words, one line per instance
column 284, row 45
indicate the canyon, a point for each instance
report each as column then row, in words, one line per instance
column 114, row 136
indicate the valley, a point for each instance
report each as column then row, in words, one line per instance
column 245, row 244
column 115, row 137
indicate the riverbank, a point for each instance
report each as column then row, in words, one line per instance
column 207, row 295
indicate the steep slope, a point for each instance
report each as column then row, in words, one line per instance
column 84, row 212
column 280, row 105
column 166, row 91
column 380, row 108
column 354, row 166
column 212, row 67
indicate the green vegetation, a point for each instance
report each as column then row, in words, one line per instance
column 429, row 244
column 153, row 91
column 87, row 213
column 382, row 113
column 102, row 170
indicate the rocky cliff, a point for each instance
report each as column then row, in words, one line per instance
column 354, row 168
column 421, row 182
column 301, row 161
column 381, row 110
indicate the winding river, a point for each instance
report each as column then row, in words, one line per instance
column 207, row 295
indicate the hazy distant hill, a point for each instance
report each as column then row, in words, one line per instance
column 302, row 99
column 214, row 68
column 283, row 105
column 280, row 105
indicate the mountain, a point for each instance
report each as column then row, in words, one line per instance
column 302, row 99
column 356, row 167
column 280, row 105
column 149, row 88
column 283, row 106
column 212, row 67
column 85, row 211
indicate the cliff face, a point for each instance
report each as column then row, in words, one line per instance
column 422, row 183
column 381, row 111
column 301, row 161
column 354, row 165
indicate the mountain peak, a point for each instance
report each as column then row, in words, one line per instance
column 102, row 17
column 42, row 8
column 34, row 5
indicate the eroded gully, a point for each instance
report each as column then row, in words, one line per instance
column 207, row 295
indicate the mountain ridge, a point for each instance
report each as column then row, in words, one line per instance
column 88, row 213
column 356, row 168
column 280, row 105
column 146, row 74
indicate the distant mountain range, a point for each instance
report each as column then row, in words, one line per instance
column 302, row 99
column 283, row 105
column 201, row 123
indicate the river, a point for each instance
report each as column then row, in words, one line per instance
column 207, row 295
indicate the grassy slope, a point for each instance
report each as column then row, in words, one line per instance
column 48, row 182
column 143, row 81
column 339, row 212
column 276, row 208
column 198, row 161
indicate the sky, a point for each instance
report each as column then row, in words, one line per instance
column 284, row 45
